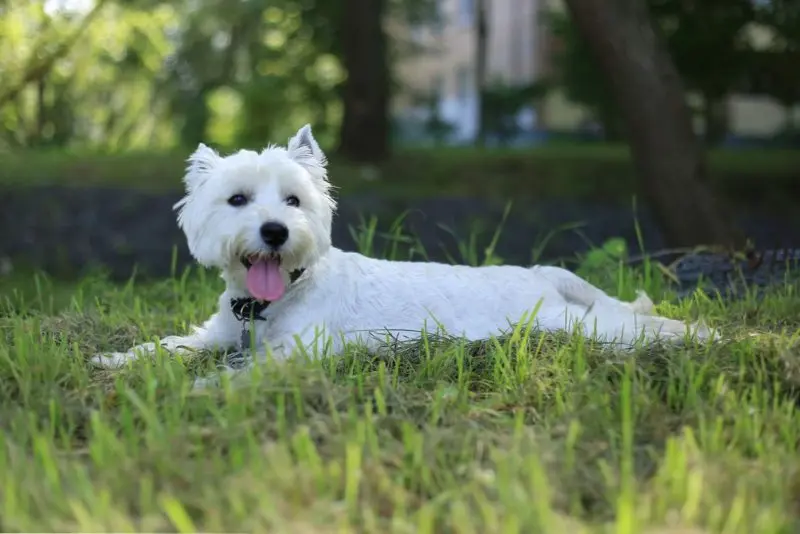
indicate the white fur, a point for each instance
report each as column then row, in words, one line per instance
column 345, row 297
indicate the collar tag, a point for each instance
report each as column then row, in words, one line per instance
column 244, row 341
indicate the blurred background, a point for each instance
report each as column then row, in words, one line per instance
column 657, row 124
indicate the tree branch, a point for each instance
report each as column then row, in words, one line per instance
column 46, row 65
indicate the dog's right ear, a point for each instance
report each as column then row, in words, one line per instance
column 201, row 165
column 303, row 148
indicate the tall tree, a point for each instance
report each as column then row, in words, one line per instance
column 364, row 133
column 667, row 155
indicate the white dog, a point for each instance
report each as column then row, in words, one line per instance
column 264, row 219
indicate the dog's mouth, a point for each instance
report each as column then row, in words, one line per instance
column 251, row 259
column 264, row 278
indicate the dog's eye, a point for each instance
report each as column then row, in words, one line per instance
column 293, row 201
column 237, row 200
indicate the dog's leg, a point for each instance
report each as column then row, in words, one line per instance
column 622, row 327
column 577, row 290
column 211, row 335
column 625, row 321
column 175, row 345
column 311, row 344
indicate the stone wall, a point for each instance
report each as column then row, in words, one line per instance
column 66, row 231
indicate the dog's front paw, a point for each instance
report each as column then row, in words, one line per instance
column 115, row 360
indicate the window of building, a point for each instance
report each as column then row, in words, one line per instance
column 466, row 12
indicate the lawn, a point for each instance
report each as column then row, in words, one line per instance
column 592, row 171
column 524, row 433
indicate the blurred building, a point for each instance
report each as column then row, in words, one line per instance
column 437, row 74
column 441, row 65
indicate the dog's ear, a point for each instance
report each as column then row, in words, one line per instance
column 199, row 166
column 303, row 148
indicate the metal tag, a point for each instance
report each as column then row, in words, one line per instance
column 244, row 341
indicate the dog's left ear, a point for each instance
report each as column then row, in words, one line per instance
column 199, row 166
column 303, row 148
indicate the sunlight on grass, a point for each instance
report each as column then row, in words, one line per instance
column 523, row 433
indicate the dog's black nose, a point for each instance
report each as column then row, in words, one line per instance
column 274, row 234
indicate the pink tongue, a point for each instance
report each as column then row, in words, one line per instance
column 264, row 280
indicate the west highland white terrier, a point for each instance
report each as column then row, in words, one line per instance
column 264, row 219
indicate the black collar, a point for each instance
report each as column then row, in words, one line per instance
column 245, row 308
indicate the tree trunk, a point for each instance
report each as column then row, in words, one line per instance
column 667, row 154
column 364, row 134
column 481, row 49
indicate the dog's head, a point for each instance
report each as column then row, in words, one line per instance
column 258, row 216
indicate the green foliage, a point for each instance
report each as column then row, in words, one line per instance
column 714, row 45
column 503, row 102
column 710, row 45
column 783, row 17
column 600, row 262
column 101, row 92
column 275, row 62
column 153, row 74
column 774, row 71
column 140, row 74
column 707, row 40
column 435, row 125
column 290, row 81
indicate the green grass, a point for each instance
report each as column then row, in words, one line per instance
column 524, row 433
column 588, row 171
